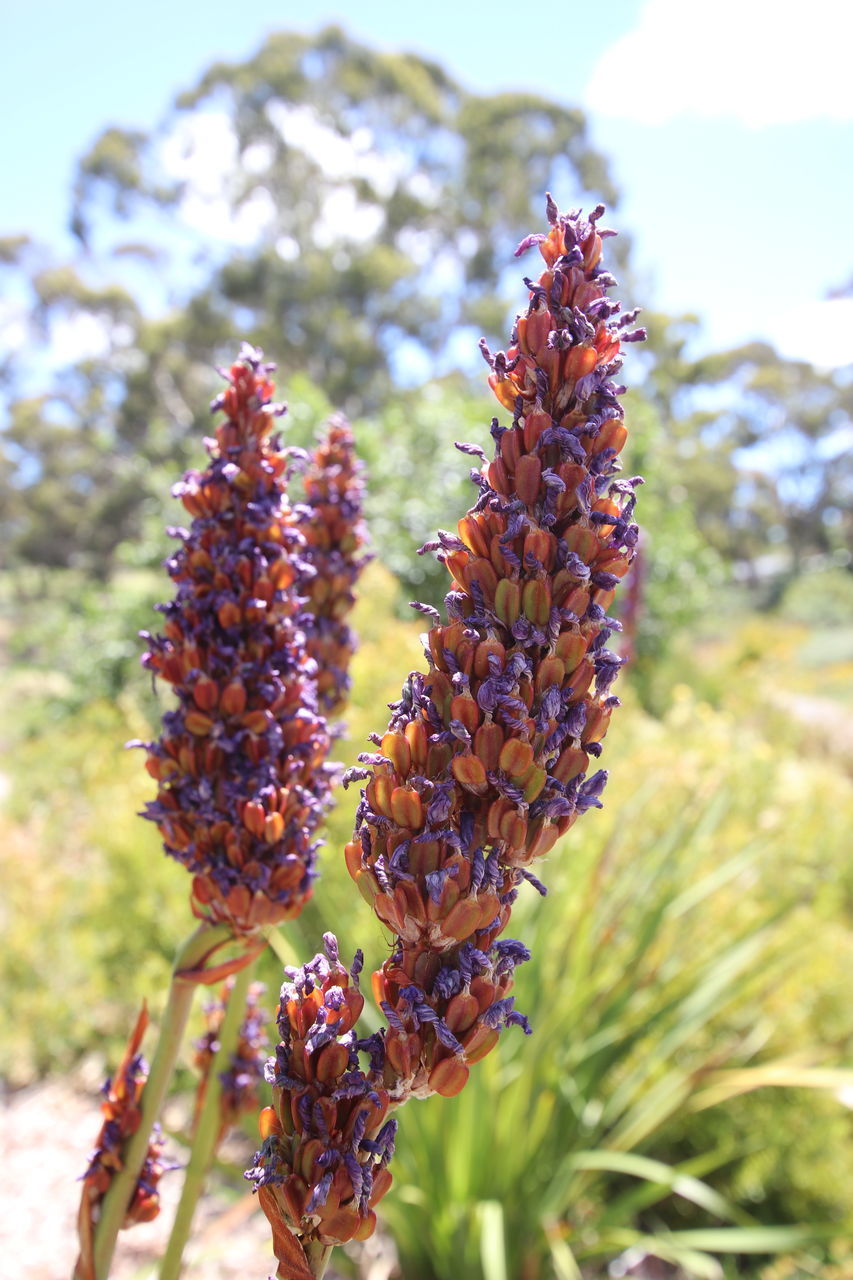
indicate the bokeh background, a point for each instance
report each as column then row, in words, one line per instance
column 346, row 188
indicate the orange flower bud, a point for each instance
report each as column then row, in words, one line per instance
column 470, row 772
column 449, row 1077
column 510, row 449
column 416, row 736
column 612, row 435
column 488, row 741
column 527, row 477
column 570, row 647
column 485, row 650
column 233, row 700
column 472, row 532
column 607, row 507
column 268, row 1123
column 482, row 572
column 508, row 601
column 198, row 723
column 516, row 757
column 407, row 808
column 464, row 708
column 273, row 827
column 396, row 747
column 536, row 601
column 571, row 762
column 254, row 818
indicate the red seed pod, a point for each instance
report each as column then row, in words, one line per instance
column 510, row 449
column 464, row 708
column 536, row 601
column 416, row 737
column 488, row 741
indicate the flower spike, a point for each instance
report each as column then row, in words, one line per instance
column 242, row 763
column 241, row 1079
column 327, row 1139
column 122, row 1094
column 330, row 520
column 489, row 755
column 487, row 761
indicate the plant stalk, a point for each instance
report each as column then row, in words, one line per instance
column 208, row 1128
column 191, row 954
column 318, row 1256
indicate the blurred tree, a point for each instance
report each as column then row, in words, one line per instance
column 344, row 208
column 355, row 206
column 761, row 445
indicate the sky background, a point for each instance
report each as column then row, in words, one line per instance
column 729, row 126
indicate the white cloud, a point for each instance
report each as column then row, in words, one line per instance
column 759, row 61
column 820, row 332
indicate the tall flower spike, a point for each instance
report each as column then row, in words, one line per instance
column 240, row 1081
column 330, row 519
column 120, row 1109
column 327, row 1140
column 487, row 759
column 242, row 761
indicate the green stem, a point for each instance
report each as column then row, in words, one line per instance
column 191, row 954
column 208, row 1128
column 318, row 1256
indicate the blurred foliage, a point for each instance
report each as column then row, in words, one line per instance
column 822, row 599
column 417, row 481
column 761, row 445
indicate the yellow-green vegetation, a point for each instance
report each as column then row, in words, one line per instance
column 696, row 943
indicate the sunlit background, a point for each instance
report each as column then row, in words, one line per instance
column 346, row 186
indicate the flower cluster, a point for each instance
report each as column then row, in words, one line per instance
column 487, row 758
column 327, row 1140
column 486, row 762
column 241, row 1079
column 241, row 763
column 120, row 1109
column 330, row 519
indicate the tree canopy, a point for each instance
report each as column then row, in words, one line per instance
column 354, row 212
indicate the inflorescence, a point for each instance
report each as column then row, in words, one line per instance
column 122, row 1094
column 242, row 762
column 488, row 758
column 331, row 521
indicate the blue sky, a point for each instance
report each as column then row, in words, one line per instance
column 729, row 127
